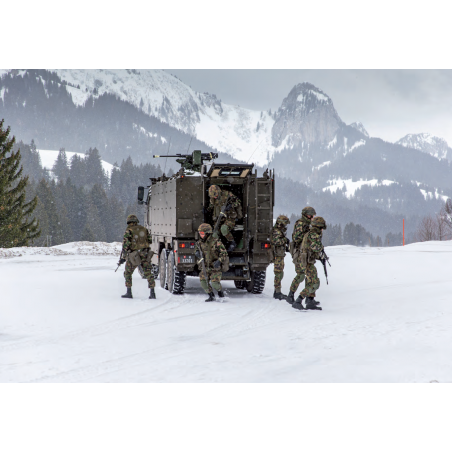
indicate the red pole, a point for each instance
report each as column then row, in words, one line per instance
column 404, row 232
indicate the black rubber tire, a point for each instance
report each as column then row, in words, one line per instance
column 155, row 271
column 162, row 268
column 175, row 278
column 257, row 283
column 240, row 284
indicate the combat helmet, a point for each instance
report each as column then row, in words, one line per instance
column 214, row 191
column 318, row 222
column 132, row 219
column 308, row 210
column 282, row 219
column 204, row 227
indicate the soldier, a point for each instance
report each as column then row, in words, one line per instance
column 215, row 256
column 279, row 243
column 301, row 228
column 312, row 249
column 219, row 198
column 135, row 245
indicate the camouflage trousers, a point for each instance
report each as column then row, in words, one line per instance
column 226, row 229
column 279, row 272
column 312, row 282
column 147, row 268
column 298, row 279
column 214, row 281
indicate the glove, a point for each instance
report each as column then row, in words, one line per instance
column 287, row 248
column 228, row 208
column 217, row 264
column 121, row 261
column 198, row 254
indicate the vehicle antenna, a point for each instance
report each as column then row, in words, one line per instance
column 189, row 144
column 169, row 145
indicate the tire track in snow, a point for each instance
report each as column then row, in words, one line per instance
column 250, row 320
column 127, row 321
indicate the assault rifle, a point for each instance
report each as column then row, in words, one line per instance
column 323, row 259
column 121, row 261
column 220, row 216
column 202, row 262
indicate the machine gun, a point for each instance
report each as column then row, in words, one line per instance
column 194, row 161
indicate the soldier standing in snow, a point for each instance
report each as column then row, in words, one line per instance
column 301, row 228
column 135, row 245
column 279, row 243
column 215, row 257
column 218, row 198
column 311, row 250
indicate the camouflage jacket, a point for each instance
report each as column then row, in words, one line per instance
column 312, row 243
column 278, row 237
column 300, row 229
column 217, row 204
column 127, row 241
column 212, row 250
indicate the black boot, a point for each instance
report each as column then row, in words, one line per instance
column 128, row 294
column 289, row 297
column 298, row 303
column 211, row 297
column 312, row 304
column 221, row 294
column 279, row 296
column 152, row 295
column 232, row 246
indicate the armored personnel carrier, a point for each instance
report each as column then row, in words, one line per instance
column 174, row 211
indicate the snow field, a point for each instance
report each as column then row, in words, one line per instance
column 386, row 318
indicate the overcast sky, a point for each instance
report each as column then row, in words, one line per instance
column 390, row 103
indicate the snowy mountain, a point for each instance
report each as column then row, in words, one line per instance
column 435, row 146
column 359, row 126
column 142, row 113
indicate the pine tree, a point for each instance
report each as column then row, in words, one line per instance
column 17, row 224
column 61, row 167
column 45, row 195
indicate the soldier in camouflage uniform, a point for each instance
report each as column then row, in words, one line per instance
column 312, row 250
column 215, row 256
column 137, row 240
column 279, row 243
column 218, row 198
column 300, row 229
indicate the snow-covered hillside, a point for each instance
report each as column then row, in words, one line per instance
column 425, row 142
column 48, row 159
column 229, row 128
column 386, row 318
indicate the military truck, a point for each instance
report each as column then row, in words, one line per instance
column 174, row 211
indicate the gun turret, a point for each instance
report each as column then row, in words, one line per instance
column 194, row 161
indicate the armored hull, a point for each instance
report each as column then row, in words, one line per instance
column 174, row 211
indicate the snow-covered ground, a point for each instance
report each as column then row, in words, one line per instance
column 386, row 318
column 48, row 159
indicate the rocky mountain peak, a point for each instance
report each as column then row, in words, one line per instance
column 359, row 127
column 307, row 115
column 425, row 142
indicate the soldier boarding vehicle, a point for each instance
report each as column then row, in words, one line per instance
column 174, row 209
